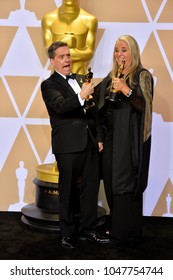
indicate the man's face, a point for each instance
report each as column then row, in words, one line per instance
column 62, row 62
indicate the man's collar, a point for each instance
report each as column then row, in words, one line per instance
column 61, row 74
column 70, row 76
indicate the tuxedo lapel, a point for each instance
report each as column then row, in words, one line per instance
column 80, row 79
column 60, row 80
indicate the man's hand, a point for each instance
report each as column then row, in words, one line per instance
column 87, row 89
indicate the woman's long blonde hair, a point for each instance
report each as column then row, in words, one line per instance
column 135, row 58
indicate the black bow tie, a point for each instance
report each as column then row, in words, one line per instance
column 72, row 76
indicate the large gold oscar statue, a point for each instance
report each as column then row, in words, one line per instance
column 71, row 24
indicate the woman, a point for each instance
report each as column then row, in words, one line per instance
column 124, row 100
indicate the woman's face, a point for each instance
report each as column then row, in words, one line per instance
column 122, row 52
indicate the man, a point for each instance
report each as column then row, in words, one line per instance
column 71, row 24
column 74, row 145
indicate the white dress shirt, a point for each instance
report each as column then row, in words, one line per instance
column 75, row 86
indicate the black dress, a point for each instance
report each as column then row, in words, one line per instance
column 117, row 170
column 122, row 126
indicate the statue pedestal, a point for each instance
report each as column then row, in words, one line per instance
column 44, row 213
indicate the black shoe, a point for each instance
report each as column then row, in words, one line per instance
column 94, row 237
column 107, row 232
column 67, row 243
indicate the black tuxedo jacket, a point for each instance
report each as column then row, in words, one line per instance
column 70, row 124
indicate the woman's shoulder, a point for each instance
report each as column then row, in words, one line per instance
column 142, row 72
column 142, row 69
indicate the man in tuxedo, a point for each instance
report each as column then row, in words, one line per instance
column 74, row 145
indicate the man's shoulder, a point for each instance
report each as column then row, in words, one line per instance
column 51, row 78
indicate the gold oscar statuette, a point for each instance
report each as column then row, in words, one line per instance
column 89, row 102
column 113, row 94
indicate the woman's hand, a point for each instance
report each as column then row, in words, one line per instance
column 120, row 85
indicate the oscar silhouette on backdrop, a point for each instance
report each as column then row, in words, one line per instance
column 74, row 26
column 21, row 175
column 168, row 206
column 22, row 16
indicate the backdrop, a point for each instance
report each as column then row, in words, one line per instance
column 24, row 124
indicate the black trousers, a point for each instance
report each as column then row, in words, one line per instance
column 126, row 219
column 78, row 174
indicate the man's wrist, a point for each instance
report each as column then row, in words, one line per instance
column 82, row 101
